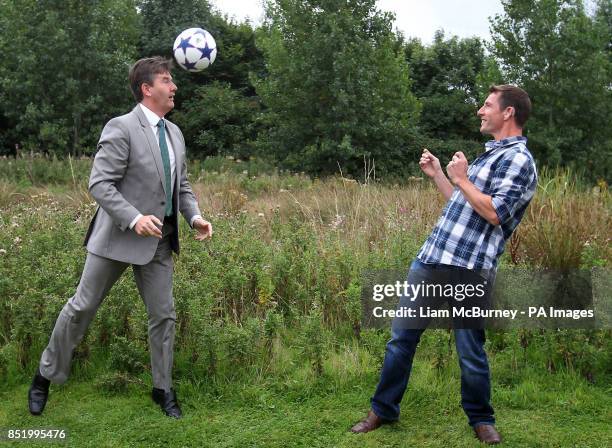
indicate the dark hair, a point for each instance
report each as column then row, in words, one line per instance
column 513, row 96
column 144, row 71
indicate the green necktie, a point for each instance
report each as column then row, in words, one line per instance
column 163, row 146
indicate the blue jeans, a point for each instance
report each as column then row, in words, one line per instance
column 475, row 376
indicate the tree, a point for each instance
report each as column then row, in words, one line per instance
column 237, row 54
column 223, row 91
column 561, row 57
column 446, row 78
column 336, row 90
column 603, row 19
column 219, row 120
column 163, row 20
column 66, row 63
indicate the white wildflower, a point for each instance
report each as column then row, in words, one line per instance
column 337, row 222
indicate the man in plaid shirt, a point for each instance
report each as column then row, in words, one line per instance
column 486, row 201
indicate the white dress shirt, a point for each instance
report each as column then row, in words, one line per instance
column 153, row 119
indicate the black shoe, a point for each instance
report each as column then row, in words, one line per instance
column 38, row 394
column 168, row 402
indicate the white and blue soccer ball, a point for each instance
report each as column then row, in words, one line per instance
column 194, row 49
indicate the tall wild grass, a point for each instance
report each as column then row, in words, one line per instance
column 278, row 287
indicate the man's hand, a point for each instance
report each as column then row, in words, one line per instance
column 430, row 164
column 431, row 167
column 457, row 168
column 204, row 229
column 149, row 226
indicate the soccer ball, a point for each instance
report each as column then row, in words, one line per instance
column 194, row 49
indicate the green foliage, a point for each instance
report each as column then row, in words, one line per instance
column 336, row 90
column 43, row 171
column 446, row 77
column 561, row 57
column 562, row 222
column 374, row 341
column 328, row 87
column 279, row 292
column 163, row 20
column 218, row 120
column 4, row 361
column 265, row 321
column 353, row 307
column 242, row 344
column 314, row 340
column 66, row 86
column 272, row 327
column 230, row 165
column 127, row 356
column 66, row 63
column 441, row 348
column 116, row 383
column 216, row 108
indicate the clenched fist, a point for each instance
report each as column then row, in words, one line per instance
column 457, row 168
column 429, row 164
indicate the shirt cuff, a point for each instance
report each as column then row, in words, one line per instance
column 501, row 209
column 135, row 220
column 194, row 218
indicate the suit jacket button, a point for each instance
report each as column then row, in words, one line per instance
column 163, row 202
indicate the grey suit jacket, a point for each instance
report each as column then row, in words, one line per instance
column 127, row 179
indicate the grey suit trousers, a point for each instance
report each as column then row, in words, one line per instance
column 154, row 281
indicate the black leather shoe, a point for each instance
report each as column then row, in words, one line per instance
column 168, row 402
column 38, row 394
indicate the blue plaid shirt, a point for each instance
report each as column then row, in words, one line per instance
column 507, row 173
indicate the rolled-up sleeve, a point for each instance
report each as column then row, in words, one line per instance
column 513, row 184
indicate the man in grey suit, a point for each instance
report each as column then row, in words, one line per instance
column 139, row 180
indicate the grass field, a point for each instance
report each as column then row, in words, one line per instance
column 269, row 349
column 535, row 410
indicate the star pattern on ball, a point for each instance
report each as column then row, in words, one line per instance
column 195, row 49
column 184, row 45
column 206, row 51
column 190, row 65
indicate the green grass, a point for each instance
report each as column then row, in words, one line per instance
column 295, row 409
column 253, row 416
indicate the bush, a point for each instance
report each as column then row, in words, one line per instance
column 127, row 356
column 218, row 120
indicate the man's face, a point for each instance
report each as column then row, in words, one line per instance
column 161, row 93
column 492, row 115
